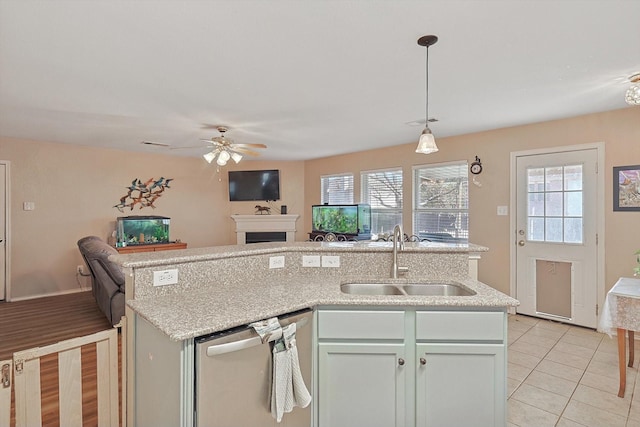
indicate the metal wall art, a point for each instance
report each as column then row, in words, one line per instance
column 143, row 194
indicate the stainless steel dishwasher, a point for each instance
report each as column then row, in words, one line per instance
column 233, row 377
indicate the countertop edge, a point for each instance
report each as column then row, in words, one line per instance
column 170, row 314
column 150, row 259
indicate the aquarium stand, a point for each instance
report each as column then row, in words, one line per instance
column 155, row 247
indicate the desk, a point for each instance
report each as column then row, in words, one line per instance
column 622, row 311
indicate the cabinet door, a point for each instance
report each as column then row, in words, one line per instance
column 361, row 385
column 460, row 384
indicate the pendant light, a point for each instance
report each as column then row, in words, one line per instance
column 427, row 143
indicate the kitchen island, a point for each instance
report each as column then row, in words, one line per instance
column 224, row 287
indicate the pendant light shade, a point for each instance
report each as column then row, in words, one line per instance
column 427, row 143
column 209, row 156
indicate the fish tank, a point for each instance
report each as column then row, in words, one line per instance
column 350, row 220
column 142, row 230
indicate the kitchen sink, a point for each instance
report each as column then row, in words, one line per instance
column 409, row 289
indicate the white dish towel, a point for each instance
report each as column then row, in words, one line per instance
column 288, row 389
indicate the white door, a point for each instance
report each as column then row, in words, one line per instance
column 556, row 235
column 3, row 230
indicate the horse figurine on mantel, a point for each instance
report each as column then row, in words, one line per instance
column 262, row 209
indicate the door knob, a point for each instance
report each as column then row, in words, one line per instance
column 423, row 361
column 401, row 361
column 521, row 242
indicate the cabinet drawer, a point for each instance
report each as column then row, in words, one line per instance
column 361, row 324
column 448, row 325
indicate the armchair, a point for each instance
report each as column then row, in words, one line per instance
column 107, row 278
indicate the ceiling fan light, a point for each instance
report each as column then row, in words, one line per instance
column 209, row 156
column 427, row 143
column 633, row 95
column 224, row 156
column 236, row 157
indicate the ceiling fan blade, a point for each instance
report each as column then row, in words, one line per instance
column 245, row 151
column 250, row 145
column 191, row 146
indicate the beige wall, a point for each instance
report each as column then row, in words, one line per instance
column 75, row 188
column 619, row 130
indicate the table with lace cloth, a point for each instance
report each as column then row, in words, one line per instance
column 621, row 312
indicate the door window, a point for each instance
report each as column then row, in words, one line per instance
column 554, row 204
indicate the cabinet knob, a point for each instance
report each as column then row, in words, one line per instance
column 401, row 361
column 423, row 361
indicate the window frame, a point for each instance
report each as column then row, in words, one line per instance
column 462, row 214
column 365, row 198
column 337, row 175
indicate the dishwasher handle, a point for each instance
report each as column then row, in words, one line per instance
column 229, row 347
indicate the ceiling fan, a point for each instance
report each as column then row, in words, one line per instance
column 223, row 148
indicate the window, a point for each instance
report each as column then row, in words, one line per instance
column 382, row 190
column 441, row 202
column 554, row 204
column 337, row 189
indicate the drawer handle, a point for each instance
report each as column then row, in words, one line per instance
column 423, row 361
column 401, row 361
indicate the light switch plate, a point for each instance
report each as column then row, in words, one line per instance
column 311, row 260
column 332, row 261
column 276, row 261
column 503, row 210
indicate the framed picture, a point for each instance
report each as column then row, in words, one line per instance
column 626, row 188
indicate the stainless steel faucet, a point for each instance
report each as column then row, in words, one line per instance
column 398, row 245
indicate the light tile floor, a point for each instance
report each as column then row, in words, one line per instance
column 567, row 376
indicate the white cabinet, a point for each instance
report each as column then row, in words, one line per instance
column 362, row 366
column 460, row 384
column 461, row 369
column 361, row 385
column 411, row 368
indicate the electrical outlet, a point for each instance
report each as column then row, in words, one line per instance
column 311, row 260
column 332, row 261
column 80, row 269
column 276, row 261
column 165, row 277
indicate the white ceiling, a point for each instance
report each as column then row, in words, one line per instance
column 308, row 78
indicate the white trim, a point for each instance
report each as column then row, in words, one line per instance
column 391, row 169
column 600, row 212
column 7, row 230
column 51, row 294
column 337, row 175
column 451, row 163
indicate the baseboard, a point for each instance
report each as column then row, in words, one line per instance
column 53, row 294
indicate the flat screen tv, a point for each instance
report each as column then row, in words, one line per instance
column 254, row 185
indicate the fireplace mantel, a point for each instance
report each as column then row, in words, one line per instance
column 265, row 223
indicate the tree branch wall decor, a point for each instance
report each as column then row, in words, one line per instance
column 143, row 193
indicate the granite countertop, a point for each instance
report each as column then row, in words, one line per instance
column 148, row 259
column 188, row 315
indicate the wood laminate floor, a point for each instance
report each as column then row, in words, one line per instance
column 43, row 321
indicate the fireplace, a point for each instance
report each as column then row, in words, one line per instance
column 265, row 236
column 265, row 228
